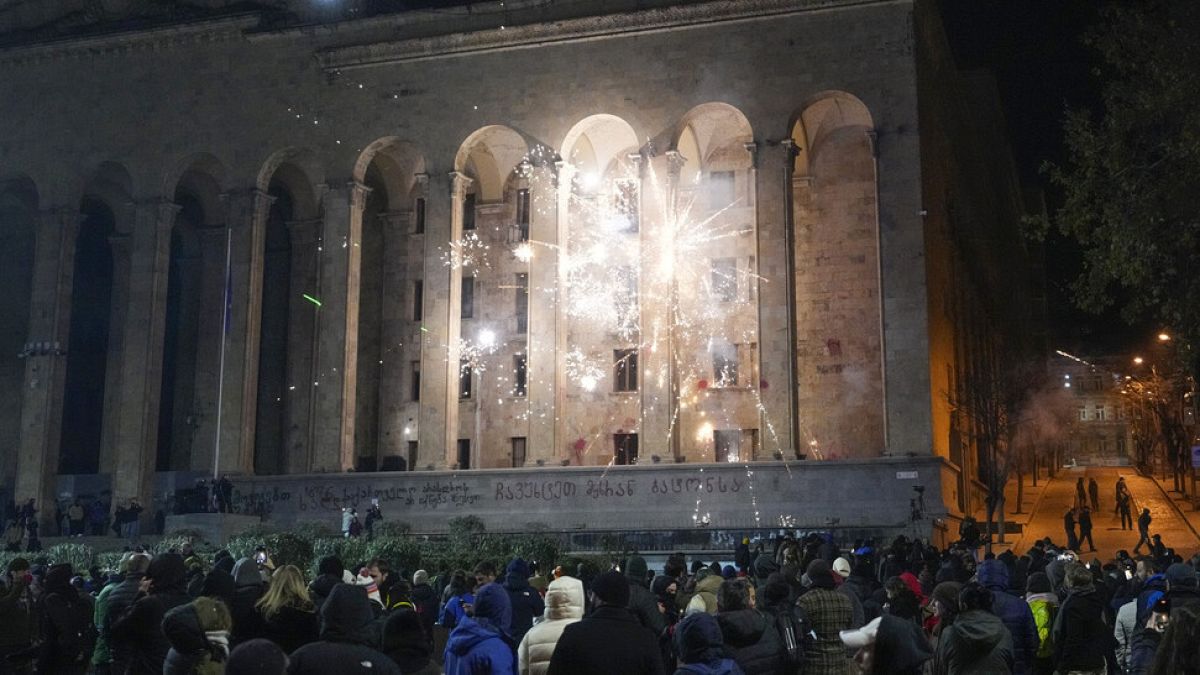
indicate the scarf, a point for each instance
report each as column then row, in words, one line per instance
column 218, row 641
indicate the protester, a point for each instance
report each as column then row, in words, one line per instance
column 1177, row 653
column 1043, row 604
column 977, row 642
column 609, row 639
column 329, row 574
column 749, row 635
column 564, row 606
column 828, row 613
column 112, row 601
column 286, row 612
column 699, row 644
column 461, row 598
column 343, row 647
column 140, row 627
column 1013, row 611
column 1081, row 639
column 526, row 602
column 1143, row 523
column 888, row 645
column 481, row 644
column 425, row 600
column 199, row 637
column 67, row 636
column 257, row 657
column 18, row 607
column 248, row 590
column 406, row 643
column 642, row 601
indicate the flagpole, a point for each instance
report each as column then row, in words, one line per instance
column 224, row 338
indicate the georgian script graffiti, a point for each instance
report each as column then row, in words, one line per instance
column 711, row 484
column 555, row 490
column 430, row 495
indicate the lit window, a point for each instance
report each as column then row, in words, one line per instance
column 724, row 279
column 519, row 375
column 523, row 214
column 464, row 379
column 625, row 367
column 468, row 298
column 521, row 308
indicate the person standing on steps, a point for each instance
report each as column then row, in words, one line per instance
column 1094, row 493
column 1069, row 528
column 1143, row 530
column 1085, row 529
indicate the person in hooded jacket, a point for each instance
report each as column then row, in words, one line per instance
column 699, row 643
column 977, row 641
column 346, row 617
column 609, row 639
column 749, row 634
column 405, row 642
column 140, row 627
column 704, row 599
column 459, row 598
column 642, row 602
column 1081, row 638
column 1013, row 611
column 1044, row 605
column 526, row 602
column 112, row 601
column 248, row 590
column 480, row 644
column 218, row 585
column 888, row 645
column 67, row 635
column 564, row 606
column 199, row 637
column 329, row 574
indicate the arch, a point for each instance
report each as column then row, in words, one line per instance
column 489, row 156
column 824, row 114
column 598, row 144
column 303, row 159
column 390, row 166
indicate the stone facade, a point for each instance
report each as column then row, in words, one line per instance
column 578, row 234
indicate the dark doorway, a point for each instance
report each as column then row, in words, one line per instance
column 625, row 448
column 464, row 453
column 271, row 414
column 177, row 420
column 87, row 348
column 728, row 444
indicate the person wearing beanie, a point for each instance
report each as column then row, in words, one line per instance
column 888, row 646
column 481, row 644
column 219, row 584
column 642, row 602
column 405, row 642
column 141, row 626
column 609, row 639
column 1183, row 588
column 346, row 617
column 67, row 635
column 199, row 637
column 944, row 603
column 525, row 600
column 257, row 657
column 977, row 641
column 828, row 613
column 329, row 574
column 1014, row 612
column 113, row 601
column 425, row 601
column 564, row 606
column 1043, row 604
column 698, row 642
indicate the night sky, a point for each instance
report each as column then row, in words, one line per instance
column 1035, row 50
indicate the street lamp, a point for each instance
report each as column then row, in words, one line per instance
column 1163, row 337
column 1137, row 360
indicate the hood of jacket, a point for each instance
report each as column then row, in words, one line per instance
column 564, row 599
column 698, row 639
column 168, row 573
column 743, row 627
column 245, row 573
column 58, row 580
column 218, row 584
column 345, row 614
column 516, row 575
column 764, row 565
column 635, row 570
column 901, row 644
column 493, row 608
column 710, row 583
column 405, row 642
column 979, row 631
column 323, row 585
column 993, row 574
column 469, row 633
column 182, row 627
column 1048, row 598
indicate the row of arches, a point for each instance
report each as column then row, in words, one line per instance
column 704, row 164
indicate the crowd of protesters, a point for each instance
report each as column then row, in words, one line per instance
column 785, row 606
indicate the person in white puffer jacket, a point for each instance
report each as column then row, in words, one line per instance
column 564, row 606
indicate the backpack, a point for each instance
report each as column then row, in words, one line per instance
column 796, row 634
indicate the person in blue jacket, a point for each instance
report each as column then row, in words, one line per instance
column 480, row 644
column 1013, row 611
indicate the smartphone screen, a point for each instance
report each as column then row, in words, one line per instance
column 1128, row 575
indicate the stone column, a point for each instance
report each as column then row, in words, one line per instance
column 776, row 298
column 542, row 353
column 246, row 213
column 393, row 369
column 441, row 327
column 302, row 326
column 119, row 245
column 563, row 176
column 141, row 367
column 42, row 396
column 660, row 430
column 336, row 371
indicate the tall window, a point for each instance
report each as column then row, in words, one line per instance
column 523, row 213
column 468, row 298
column 625, row 448
column 724, row 279
column 727, row 444
column 415, row 380
column 626, row 301
column 412, row 455
column 1100, row 413
column 419, row 216
column 522, row 304
column 418, row 300
column 625, row 370
column 469, row 211
column 519, row 375
column 518, row 451
column 725, row 364
column 464, row 379
column 720, row 189
column 1083, row 413
column 626, row 206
